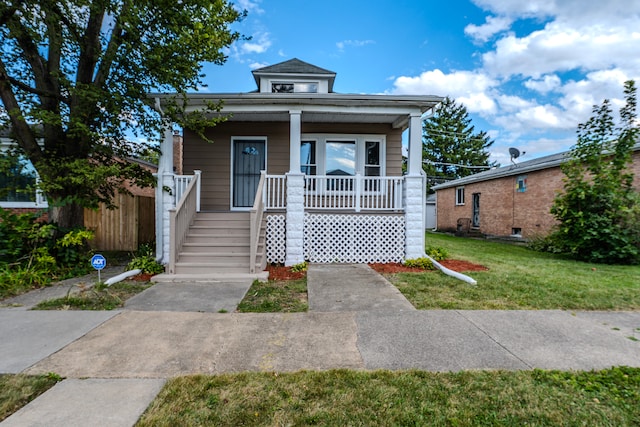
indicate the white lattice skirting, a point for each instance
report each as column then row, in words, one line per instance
column 275, row 238
column 341, row 238
column 353, row 238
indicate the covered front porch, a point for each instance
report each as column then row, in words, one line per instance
column 294, row 218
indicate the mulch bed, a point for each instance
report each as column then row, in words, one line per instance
column 280, row 272
column 452, row 264
column 142, row 277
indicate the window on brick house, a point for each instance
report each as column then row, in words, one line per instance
column 18, row 182
column 460, row 196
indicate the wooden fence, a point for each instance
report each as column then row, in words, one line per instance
column 125, row 228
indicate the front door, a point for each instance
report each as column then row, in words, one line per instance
column 475, row 219
column 248, row 160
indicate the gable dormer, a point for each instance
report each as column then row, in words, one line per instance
column 294, row 76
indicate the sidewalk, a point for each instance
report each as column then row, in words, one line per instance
column 129, row 353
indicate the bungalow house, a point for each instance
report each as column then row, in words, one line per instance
column 297, row 172
column 512, row 201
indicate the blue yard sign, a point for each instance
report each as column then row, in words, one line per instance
column 98, row 262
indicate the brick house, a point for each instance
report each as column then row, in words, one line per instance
column 511, row 201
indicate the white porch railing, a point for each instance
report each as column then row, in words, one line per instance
column 275, row 192
column 354, row 193
column 181, row 184
column 182, row 216
column 255, row 224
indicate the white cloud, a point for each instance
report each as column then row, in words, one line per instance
column 493, row 25
column 251, row 6
column 559, row 48
column 467, row 87
column 259, row 44
column 544, row 85
column 341, row 45
column 256, row 65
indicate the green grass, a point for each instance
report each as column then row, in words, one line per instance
column 18, row 390
column 519, row 278
column 287, row 296
column 99, row 297
column 489, row 398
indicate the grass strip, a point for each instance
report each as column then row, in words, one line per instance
column 18, row 390
column 341, row 397
column 98, row 297
column 520, row 278
column 275, row 296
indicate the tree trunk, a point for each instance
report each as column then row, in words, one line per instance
column 67, row 216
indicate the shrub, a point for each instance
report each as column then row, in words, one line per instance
column 437, row 253
column 146, row 261
column 423, row 263
column 599, row 211
column 299, row 267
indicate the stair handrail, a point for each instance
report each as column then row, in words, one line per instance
column 255, row 218
column 180, row 218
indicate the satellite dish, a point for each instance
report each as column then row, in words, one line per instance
column 514, row 153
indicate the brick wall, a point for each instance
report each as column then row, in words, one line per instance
column 503, row 208
column 44, row 214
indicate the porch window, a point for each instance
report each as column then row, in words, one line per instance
column 308, row 164
column 372, row 158
column 459, row 195
column 342, row 155
column 341, row 158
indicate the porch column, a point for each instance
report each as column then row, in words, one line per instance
column 295, row 194
column 294, row 141
column 415, row 192
column 414, row 165
column 295, row 218
column 165, row 200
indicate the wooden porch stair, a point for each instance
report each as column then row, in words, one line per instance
column 217, row 244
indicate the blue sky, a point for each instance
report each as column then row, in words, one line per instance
column 527, row 71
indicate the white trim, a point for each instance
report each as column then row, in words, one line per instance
column 245, row 138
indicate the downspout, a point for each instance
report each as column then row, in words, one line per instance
column 159, row 198
column 435, row 263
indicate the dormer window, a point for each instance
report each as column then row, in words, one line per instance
column 295, row 87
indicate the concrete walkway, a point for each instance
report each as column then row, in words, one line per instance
column 121, row 358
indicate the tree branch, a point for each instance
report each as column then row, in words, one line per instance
column 24, row 134
column 112, row 48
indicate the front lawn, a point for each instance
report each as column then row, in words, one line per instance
column 98, row 297
column 18, row 390
column 542, row 398
column 519, row 278
column 276, row 296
